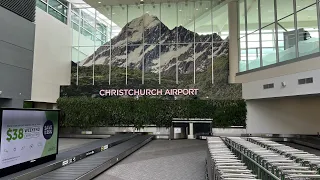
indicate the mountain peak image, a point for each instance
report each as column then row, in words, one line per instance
column 147, row 38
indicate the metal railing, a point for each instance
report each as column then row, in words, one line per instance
column 222, row 164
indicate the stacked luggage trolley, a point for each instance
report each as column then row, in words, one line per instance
column 310, row 163
column 270, row 160
column 222, row 164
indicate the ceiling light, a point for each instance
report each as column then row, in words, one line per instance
column 207, row 8
column 141, row 0
column 147, row 11
column 197, row 9
column 99, row 2
column 180, row 10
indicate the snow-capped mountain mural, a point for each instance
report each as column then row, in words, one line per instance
column 148, row 28
column 154, row 54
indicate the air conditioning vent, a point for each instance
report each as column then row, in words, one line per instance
column 305, row 81
column 309, row 80
column 23, row 8
column 268, row 86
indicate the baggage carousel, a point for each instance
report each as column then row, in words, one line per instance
column 85, row 161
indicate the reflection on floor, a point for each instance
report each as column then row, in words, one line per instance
column 162, row 160
column 67, row 143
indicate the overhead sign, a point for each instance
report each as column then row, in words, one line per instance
column 27, row 135
column 148, row 92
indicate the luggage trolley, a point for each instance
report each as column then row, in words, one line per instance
column 222, row 164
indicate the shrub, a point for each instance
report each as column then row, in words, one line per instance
column 94, row 112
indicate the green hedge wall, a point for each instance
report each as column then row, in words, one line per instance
column 93, row 112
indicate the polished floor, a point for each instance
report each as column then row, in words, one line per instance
column 162, row 160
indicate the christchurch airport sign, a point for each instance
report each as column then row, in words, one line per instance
column 148, row 92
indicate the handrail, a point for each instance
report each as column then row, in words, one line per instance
column 251, row 160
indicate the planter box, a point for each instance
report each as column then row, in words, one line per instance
column 160, row 132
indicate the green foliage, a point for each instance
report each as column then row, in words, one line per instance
column 94, row 112
column 27, row 104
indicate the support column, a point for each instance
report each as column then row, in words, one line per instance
column 191, row 135
column 233, row 40
column 69, row 15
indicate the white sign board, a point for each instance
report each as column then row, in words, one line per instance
column 177, row 130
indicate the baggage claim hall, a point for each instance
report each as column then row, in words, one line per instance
column 159, row 89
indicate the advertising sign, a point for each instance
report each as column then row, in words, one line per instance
column 27, row 135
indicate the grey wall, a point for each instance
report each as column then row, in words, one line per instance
column 16, row 58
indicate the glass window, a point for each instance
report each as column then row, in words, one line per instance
column 287, row 46
column 203, row 22
column 86, row 60
column 186, row 62
column 75, row 34
column 118, row 65
column 152, row 24
column 301, row 4
column 101, row 66
column 204, row 56
column 186, row 22
column 57, row 15
column 87, row 24
column 220, row 24
column 267, row 12
column 103, row 25
column 42, row 5
column 169, row 19
column 268, row 45
column 135, row 24
column 284, row 8
column 59, row 6
column 242, row 17
column 134, row 65
column 74, row 65
column 253, row 34
column 119, row 22
column 168, row 63
column 308, row 31
column 151, row 65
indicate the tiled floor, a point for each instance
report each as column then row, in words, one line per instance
column 162, row 160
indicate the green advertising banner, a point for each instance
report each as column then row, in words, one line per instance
column 27, row 135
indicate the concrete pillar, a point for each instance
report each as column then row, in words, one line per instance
column 233, row 40
column 191, row 135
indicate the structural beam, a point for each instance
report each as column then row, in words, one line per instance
column 233, row 41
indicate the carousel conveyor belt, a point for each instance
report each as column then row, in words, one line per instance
column 66, row 158
column 94, row 165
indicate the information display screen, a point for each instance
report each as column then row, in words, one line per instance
column 27, row 135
